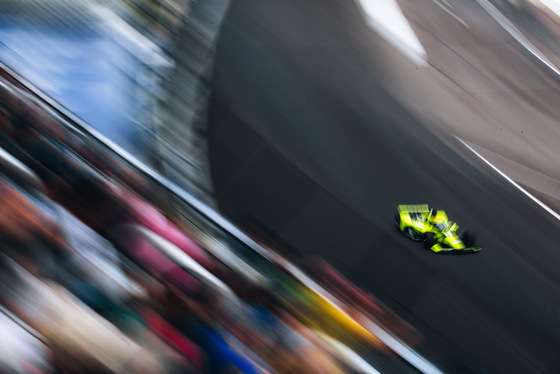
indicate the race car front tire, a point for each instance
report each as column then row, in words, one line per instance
column 430, row 240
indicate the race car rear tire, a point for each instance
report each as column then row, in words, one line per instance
column 412, row 234
column 408, row 231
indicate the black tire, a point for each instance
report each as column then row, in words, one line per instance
column 467, row 238
column 430, row 240
column 412, row 234
column 408, row 231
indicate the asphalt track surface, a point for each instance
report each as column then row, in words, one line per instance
column 375, row 131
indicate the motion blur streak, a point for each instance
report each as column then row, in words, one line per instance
column 517, row 35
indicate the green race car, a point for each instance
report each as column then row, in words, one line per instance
column 439, row 234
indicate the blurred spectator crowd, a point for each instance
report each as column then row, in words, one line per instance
column 98, row 278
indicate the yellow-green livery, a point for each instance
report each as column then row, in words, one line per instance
column 422, row 224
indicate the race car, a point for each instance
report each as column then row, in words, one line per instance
column 431, row 226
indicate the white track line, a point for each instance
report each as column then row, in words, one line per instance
column 540, row 203
column 516, row 34
column 457, row 18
